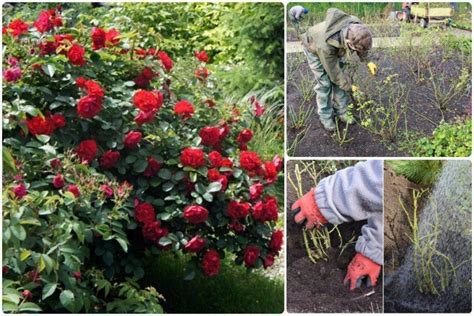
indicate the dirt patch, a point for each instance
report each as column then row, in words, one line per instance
column 422, row 116
column 318, row 287
column 396, row 227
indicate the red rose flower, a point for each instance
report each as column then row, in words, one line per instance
column 225, row 130
column 195, row 214
column 12, row 74
column 144, row 78
column 43, row 23
column 145, row 213
column 93, row 88
column 277, row 162
column 77, row 275
column 88, row 106
column 201, row 56
column 109, row 159
column 256, row 191
column 34, row 276
column 144, row 117
column 39, row 125
column 269, row 260
column 251, row 254
column 209, row 136
column 226, row 162
column 20, row 190
column 58, row 181
column 87, row 150
column 153, row 167
column 27, row 295
column 276, row 241
column 193, row 157
column 153, row 231
column 98, row 38
column 147, row 101
column 250, row 161
column 270, row 173
column 211, row 263
column 17, row 27
column 266, row 210
column 238, row 210
column 76, row 55
column 258, row 108
column 201, row 73
column 74, row 190
column 215, row 158
column 213, row 175
column 245, row 136
column 108, row 191
column 112, row 37
column 165, row 60
column 58, row 121
column 5, row 270
column 237, row 227
column 184, row 109
column 47, row 47
column 132, row 139
column 55, row 163
column 196, row 244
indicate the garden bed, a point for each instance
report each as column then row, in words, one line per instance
column 422, row 116
column 318, row 287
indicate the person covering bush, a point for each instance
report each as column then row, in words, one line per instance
column 114, row 151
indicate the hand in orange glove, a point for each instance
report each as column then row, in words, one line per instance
column 359, row 268
column 306, row 211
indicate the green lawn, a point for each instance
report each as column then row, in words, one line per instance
column 232, row 291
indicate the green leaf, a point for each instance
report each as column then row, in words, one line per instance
column 49, row 69
column 43, row 138
column 123, row 244
column 190, row 276
column 214, row 187
column 18, row 231
column 200, row 188
column 67, row 300
column 25, row 254
column 179, row 175
column 140, row 165
column 193, row 177
column 168, row 186
column 165, row 241
column 130, row 159
column 8, row 160
column 164, row 174
column 129, row 83
column 48, row 290
column 49, row 149
column 30, row 307
column 30, row 221
column 208, row 197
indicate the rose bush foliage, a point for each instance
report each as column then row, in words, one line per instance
column 116, row 151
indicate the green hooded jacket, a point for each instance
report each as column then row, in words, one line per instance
column 320, row 40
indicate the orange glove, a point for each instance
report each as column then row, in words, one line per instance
column 306, row 211
column 359, row 268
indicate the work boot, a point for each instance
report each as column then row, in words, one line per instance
column 328, row 125
column 346, row 118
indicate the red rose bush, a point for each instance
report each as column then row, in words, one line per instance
column 140, row 116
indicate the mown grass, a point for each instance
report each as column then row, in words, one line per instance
column 232, row 291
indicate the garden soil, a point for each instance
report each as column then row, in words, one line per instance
column 319, row 142
column 318, row 288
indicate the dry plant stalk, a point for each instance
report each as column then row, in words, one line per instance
column 317, row 240
column 431, row 278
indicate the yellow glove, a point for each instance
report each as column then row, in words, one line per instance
column 355, row 88
column 372, row 68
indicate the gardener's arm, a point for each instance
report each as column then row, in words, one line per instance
column 330, row 62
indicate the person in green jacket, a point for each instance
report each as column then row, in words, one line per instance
column 324, row 45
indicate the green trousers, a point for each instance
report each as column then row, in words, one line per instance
column 329, row 97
